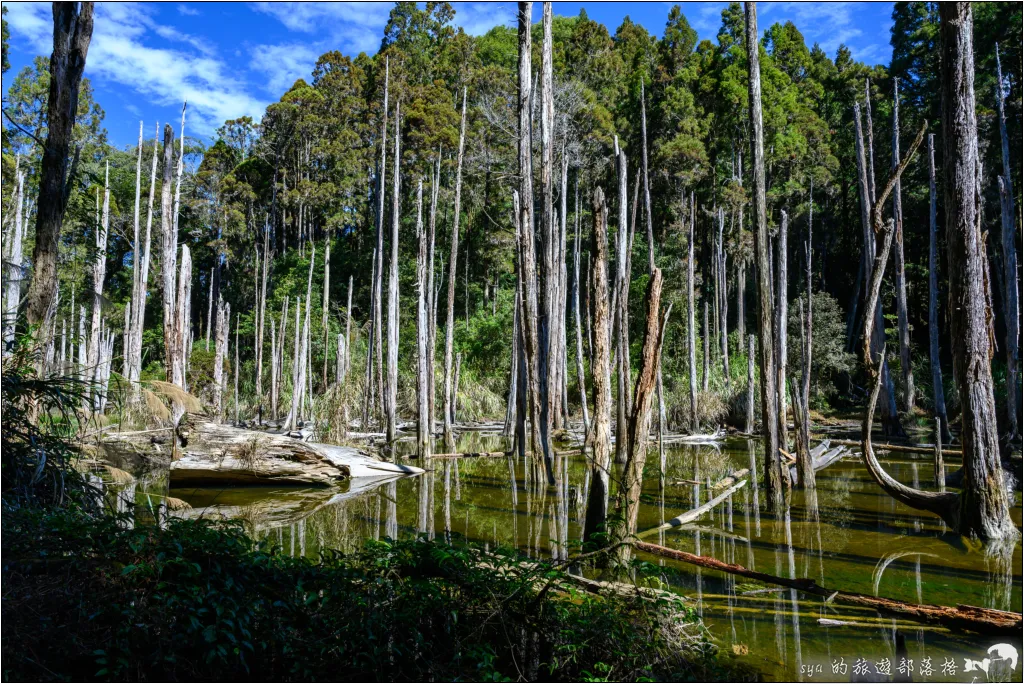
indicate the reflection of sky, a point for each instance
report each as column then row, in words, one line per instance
column 231, row 60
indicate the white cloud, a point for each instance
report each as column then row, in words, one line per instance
column 477, row 18
column 165, row 77
column 351, row 26
column 283, row 64
column 188, row 11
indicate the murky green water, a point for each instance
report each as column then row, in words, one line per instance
column 849, row 535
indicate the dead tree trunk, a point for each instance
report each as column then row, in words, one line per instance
column 749, row 428
column 422, row 334
column 774, row 472
column 621, row 314
column 183, row 312
column 235, row 370
column 262, row 316
column 901, row 276
column 705, row 374
column 523, row 202
column 325, row 308
column 391, row 385
column 781, row 326
column 640, row 419
column 581, row 379
column 13, row 269
column 597, row 500
column 449, row 332
column 435, row 188
column 220, row 345
column 546, row 278
column 1011, row 280
column 169, row 261
column 374, row 338
column 99, row 272
column 72, row 32
column 723, row 300
column 647, row 189
column 890, row 418
column 691, row 334
column 984, row 508
column 938, row 393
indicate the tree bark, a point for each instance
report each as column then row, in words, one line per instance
column 435, row 188
column 449, row 332
column 901, row 277
column 13, row 271
column 422, row 334
column 183, row 313
column 262, row 314
column 72, row 32
column 1011, row 280
column 220, row 348
column 597, row 500
column 523, row 202
column 621, row 314
column 749, row 429
column 984, row 508
column 691, row 334
column 774, row 473
column 374, row 339
column 705, row 373
column 546, row 273
column 169, row 261
column 781, row 327
column 581, row 379
column 391, row 385
column 640, row 419
column 938, row 393
column 647, row 189
column 99, row 271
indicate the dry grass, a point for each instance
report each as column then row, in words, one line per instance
column 251, row 452
column 177, row 395
column 156, row 407
column 118, row 476
column 175, row 504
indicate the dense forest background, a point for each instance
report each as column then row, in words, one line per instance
column 308, row 172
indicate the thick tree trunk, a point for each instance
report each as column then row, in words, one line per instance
column 220, row 348
column 938, row 393
column 391, row 384
column 72, row 32
column 597, row 500
column 906, row 368
column 1011, row 279
column 984, row 506
column 423, row 428
column 169, row 262
column 774, row 473
column 449, row 331
column 523, row 202
column 640, row 419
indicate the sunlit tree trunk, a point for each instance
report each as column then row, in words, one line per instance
column 906, row 369
column 449, row 332
column 938, row 393
column 422, row 334
column 391, row 384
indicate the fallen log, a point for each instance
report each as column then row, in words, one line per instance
column 495, row 454
column 824, row 460
column 963, row 617
column 901, row 448
column 690, row 516
column 731, row 480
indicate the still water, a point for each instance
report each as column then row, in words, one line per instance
column 849, row 535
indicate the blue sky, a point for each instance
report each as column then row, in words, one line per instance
column 232, row 59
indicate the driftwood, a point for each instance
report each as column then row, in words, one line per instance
column 690, row 516
column 961, row 617
column 901, row 448
column 823, row 459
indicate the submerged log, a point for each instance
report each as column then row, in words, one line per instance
column 690, row 516
column 961, row 617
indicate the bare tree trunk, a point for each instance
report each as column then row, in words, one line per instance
column 890, row 418
column 723, row 300
column 183, row 314
column 749, row 429
column 741, row 296
column 647, row 188
column 374, row 339
column 546, row 275
column 391, row 384
column 169, row 261
column 938, row 393
column 774, row 472
column 1011, row 280
column 435, row 188
column 640, row 419
column 691, row 335
column 274, row 370
column 235, row 370
column 297, row 385
column 347, row 361
column 581, row 378
column 209, row 311
column 455, row 385
column 449, row 333
column 220, row 347
column 262, row 316
column 422, row 334
column 901, row 277
column 597, row 500
column 99, row 271
column 705, row 374
column 14, row 273
column 621, row 314
column 523, row 202
column 870, row 142
column 781, row 327
column 511, row 404
column 72, row 32
column 984, row 508
column 805, row 470
column 326, row 303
